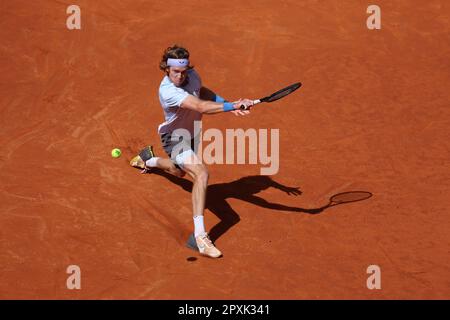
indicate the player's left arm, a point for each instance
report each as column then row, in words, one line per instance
column 209, row 95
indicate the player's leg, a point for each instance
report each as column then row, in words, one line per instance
column 190, row 163
column 167, row 165
column 199, row 174
column 184, row 156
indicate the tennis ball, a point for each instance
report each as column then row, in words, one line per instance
column 116, row 153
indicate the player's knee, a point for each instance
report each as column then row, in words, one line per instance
column 202, row 174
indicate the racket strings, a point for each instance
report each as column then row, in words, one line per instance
column 283, row 92
column 280, row 95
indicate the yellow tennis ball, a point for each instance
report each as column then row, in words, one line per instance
column 116, row 153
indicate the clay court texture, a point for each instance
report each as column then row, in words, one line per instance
column 372, row 115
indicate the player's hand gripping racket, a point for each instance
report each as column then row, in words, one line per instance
column 277, row 95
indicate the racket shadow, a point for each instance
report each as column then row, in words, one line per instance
column 244, row 189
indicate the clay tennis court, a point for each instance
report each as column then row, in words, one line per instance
column 372, row 115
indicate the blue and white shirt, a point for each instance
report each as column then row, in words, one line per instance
column 171, row 97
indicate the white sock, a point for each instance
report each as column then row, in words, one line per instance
column 198, row 225
column 152, row 162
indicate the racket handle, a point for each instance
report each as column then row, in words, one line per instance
column 242, row 107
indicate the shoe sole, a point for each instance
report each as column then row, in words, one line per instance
column 211, row 257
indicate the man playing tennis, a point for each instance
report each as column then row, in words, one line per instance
column 184, row 100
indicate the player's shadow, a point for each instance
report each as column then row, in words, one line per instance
column 244, row 189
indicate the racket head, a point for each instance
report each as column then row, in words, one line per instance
column 350, row 196
column 282, row 93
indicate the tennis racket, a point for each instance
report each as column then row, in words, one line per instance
column 277, row 95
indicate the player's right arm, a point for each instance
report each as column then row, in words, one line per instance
column 209, row 107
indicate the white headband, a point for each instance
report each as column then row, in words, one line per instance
column 177, row 62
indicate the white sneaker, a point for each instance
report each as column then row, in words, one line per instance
column 206, row 247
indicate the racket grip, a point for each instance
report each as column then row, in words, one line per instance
column 242, row 107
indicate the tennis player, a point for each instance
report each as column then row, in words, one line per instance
column 184, row 100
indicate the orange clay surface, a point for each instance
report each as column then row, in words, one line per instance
column 372, row 115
